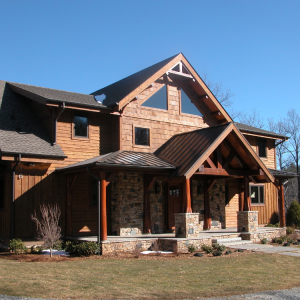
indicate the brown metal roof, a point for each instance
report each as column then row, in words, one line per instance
column 124, row 159
column 186, row 149
column 282, row 174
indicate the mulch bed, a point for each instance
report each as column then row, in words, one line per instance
column 119, row 256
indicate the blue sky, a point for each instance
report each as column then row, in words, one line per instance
column 252, row 47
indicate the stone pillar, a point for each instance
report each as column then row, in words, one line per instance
column 247, row 221
column 187, row 225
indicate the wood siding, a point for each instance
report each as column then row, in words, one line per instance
column 163, row 124
column 270, row 160
column 232, row 207
column 268, row 212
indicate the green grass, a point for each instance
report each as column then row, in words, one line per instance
column 139, row 278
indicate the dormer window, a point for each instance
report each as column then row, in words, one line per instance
column 81, row 126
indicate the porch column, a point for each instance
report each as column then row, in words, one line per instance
column 103, row 221
column 207, row 218
column 247, row 201
column 281, row 204
column 148, row 183
column 187, row 196
column 241, row 195
column 70, row 183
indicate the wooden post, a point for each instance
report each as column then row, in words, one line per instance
column 281, row 204
column 187, row 197
column 241, row 196
column 103, row 220
column 247, row 200
column 70, row 183
column 207, row 218
column 148, row 183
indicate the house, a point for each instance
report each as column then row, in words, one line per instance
column 142, row 155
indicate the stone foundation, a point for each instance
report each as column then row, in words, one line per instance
column 270, row 234
column 247, row 221
column 187, row 225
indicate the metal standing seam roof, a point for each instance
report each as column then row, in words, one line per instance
column 124, row 159
column 185, row 149
column 250, row 129
column 282, row 174
column 20, row 130
column 44, row 95
column 115, row 92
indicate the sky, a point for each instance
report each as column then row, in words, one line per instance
column 251, row 47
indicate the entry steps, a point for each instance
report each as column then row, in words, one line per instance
column 230, row 241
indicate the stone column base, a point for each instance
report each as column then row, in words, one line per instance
column 247, row 221
column 187, row 225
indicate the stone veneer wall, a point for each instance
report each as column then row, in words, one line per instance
column 127, row 201
column 247, row 221
column 270, row 234
column 217, row 203
column 187, row 225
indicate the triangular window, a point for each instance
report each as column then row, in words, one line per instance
column 187, row 106
column 158, row 99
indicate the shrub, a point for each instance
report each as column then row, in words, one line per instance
column 36, row 249
column 17, row 246
column 228, row 252
column 293, row 215
column 198, row 254
column 279, row 240
column 83, row 248
column 290, row 230
column 264, row 241
column 217, row 253
column 219, row 247
column 273, row 225
column 207, row 249
column 191, row 248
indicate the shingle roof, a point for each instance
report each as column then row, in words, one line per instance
column 185, row 149
column 44, row 95
column 32, row 138
column 282, row 174
column 124, row 159
column 120, row 89
column 251, row 129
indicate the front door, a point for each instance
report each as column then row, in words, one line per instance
column 174, row 203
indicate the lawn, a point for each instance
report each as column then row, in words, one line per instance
column 173, row 278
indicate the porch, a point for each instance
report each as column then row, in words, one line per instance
column 169, row 242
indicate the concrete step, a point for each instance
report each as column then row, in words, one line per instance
column 242, row 242
column 226, row 240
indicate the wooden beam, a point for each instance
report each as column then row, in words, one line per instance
column 211, row 185
column 229, row 172
column 211, row 163
column 228, row 160
column 228, row 145
column 281, row 204
column 241, row 196
column 207, row 218
column 111, row 177
column 219, row 157
column 103, row 220
column 216, row 113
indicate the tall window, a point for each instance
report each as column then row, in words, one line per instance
column 1, row 193
column 257, row 194
column 142, row 136
column 262, row 147
column 187, row 106
column 158, row 100
column 81, row 125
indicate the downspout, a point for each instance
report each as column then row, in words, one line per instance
column 12, row 207
column 55, row 122
column 281, row 142
column 98, row 205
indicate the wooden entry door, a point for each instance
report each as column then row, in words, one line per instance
column 174, row 203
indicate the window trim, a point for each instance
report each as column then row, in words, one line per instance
column 73, row 128
column 264, row 200
column 133, row 136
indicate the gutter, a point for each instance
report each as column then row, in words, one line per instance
column 12, row 207
column 286, row 138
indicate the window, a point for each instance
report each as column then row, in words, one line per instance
column 262, row 147
column 94, row 192
column 81, row 125
column 142, row 136
column 158, row 100
column 257, row 194
column 1, row 193
column 187, row 106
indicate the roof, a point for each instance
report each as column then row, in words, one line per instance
column 115, row 92
column 124, row 159
column 32, row 139
column 250, row 129
column 46, row 95
column 184, row 150
column 282, row 174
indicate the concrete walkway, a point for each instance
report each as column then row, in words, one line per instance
column 284, row 250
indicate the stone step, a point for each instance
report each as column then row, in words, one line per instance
column 226, row 240
column 242, row 242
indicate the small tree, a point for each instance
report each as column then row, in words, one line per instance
column 47, row 226
column 293, row 215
